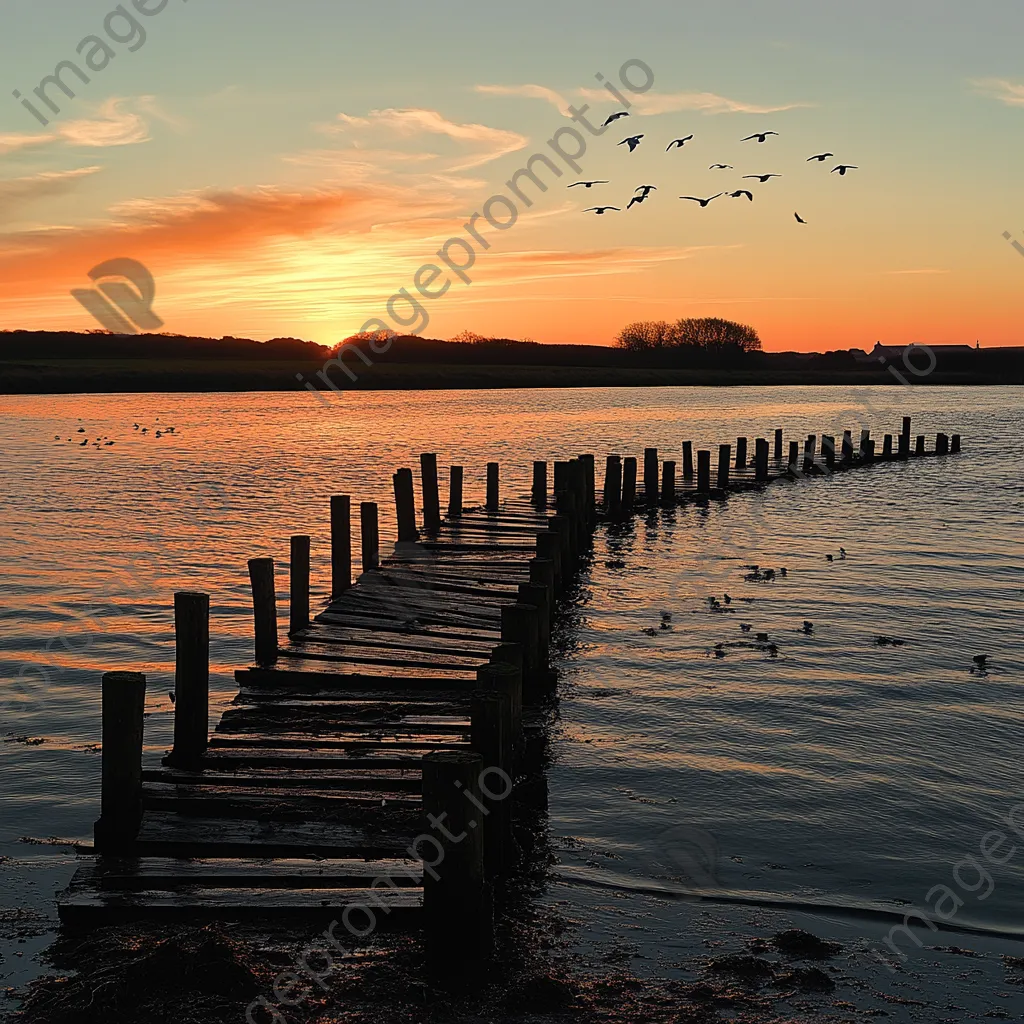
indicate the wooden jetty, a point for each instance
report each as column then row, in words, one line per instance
column 365, row 768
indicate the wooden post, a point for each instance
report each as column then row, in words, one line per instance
column 613, row 486
column 869, row 450
column 887, row 447
column 942, row 444
column 369, row 522
column 298, row 585
column 794, row 455
column 264, row 606
column 559, row 525
column 565, row 505
column 761, row 460
column 919, row 450
column 847, row 446
column 490, row 723
column 493, row 486
column 542, row 574
column 431, row 496
column 589, row 490
column 668, row 483
column 955, row 444
column 809, row 446
column 124, row 706
column 405, row 506
column 537, row 595
column 457, row 905
column 539, row 492
column 628, row 483
column 828, row 450
column 341, row 544
column 865, row 436
column 455, row 475
column 703, row 472
column 778, row 445
column 724, row 459
column 549, row 549
column 651, row 476
column 561, row 476
column 905, row 438
column 191, row 677
column 519, row 625
column 687, row 460
column 504, row 675
column 741, row 453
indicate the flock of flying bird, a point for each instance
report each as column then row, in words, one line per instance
column 643, row 192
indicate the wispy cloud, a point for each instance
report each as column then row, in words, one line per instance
column 116, row 125
column 529, row 91
column 648, row 103
column 413, row 121
column 702, row 102
column 15, row 192
column 1010, row 93
column 12, row 142
column 922, row 270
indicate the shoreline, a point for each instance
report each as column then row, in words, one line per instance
column 93, row 376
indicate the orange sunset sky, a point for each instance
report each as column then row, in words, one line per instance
column 283, row 170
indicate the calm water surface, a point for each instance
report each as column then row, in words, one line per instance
column 837, row 772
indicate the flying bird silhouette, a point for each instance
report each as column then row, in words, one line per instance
column 762, row 177
column 646, row 189
column 760, row 136
column 703, row 202
column 602, row 210
column 843, row 168
column 721, row 167
column 586, row 184
column 615, row 117
column 820, row 157
column 679, row 143
column 742, row 192
column 799, row 219
column 637, row 200
column 633, row 141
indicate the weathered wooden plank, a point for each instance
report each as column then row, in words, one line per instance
column 339, row 654
column 298, row 672
column 326, row 778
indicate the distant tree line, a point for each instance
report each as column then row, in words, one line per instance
column 707, row 334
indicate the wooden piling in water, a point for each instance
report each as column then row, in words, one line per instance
column 887, row 446
column 828, row 450
column 629, row 468
column 369, row 529
column 455, row 481
column 955, row 444
column 613, row 486
column 761, row 460
column 941, row 444
column 298, row 585
column 847, row 446
column 651, row 467
column 264, row 607
column 668, row 483
column 704, row 472
column 536, row 594
column 341, row 542
column 549, row 549
column 778, row 445
column 489, row 724
column 542, row 573
column 587, row 464
column 493, row 487
column 431, row 494
column 794, row 455
column 687, row 460
column 539, row 490
column 904, row 450
column 123, row 714
column 865, row 436
column 724, row 460
column 809, row 446
column 869, row 449
column 741, row 453
column 519, row 625
column 561, row 476
column 504, row 675
column 919, row 448
column 191, row 677
column 405, row 506
column 457, row 903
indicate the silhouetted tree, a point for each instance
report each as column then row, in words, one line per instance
column 715, row 335
column 644, row 335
